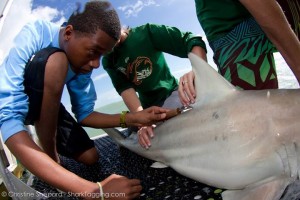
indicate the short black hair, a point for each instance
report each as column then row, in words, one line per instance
column 97, row 14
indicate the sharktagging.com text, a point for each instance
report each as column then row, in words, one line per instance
column 96, row 195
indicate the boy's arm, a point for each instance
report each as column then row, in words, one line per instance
column 54, row 80
column 41, row 165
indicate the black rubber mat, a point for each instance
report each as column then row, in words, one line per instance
column 158, row 184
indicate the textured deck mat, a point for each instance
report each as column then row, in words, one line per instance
column 158, row 184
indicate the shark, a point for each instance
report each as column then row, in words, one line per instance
column 244, row 141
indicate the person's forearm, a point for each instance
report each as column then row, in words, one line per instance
column 270, row 17
column 131, row 100
column 199, row 51
column 101, row 120
column 42, row 166
column 145, row 117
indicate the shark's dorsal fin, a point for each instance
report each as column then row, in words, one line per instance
column 209, row 84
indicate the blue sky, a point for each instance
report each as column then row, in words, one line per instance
column 178, row 13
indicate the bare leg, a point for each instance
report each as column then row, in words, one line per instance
column 88, row 157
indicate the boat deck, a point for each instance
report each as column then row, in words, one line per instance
column 158, row 184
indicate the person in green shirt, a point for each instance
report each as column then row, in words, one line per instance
column 137, row 65
column 243, row 35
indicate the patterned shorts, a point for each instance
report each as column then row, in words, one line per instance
column 245, row 57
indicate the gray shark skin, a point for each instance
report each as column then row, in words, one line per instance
column 243, row 141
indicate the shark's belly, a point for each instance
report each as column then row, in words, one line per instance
column 223, row 172
column 215, row 163
column 223, row 153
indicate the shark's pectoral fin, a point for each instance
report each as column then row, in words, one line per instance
column 270, row 189
column 158, row 165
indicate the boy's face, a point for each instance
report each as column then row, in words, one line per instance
column 84, row 51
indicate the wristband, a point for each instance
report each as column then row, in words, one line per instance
column 122, row 119
column 101, row 190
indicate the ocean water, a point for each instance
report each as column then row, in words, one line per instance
column 113, row 108
column 286, row 78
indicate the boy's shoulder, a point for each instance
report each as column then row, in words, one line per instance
column 40, row 24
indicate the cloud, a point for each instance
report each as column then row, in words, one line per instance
column 16, row 18
column 49, row 14
column 134, row 9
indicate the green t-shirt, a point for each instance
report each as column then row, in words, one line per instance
column 139, row 62
column 218, row 17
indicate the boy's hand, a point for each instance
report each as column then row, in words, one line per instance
column 117, row 187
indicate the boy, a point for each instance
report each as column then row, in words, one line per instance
column 45, row 58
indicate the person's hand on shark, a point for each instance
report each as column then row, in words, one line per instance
column 144, row 136
column 186, row 89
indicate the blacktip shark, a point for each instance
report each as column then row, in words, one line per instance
column 244, row 141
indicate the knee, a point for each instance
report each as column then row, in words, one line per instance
column 89, row 157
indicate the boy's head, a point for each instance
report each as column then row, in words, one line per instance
column 90, row 34
column 97, row 14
